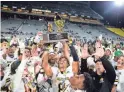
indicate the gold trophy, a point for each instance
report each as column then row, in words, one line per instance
column 59, row 23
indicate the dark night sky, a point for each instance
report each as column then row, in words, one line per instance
column 109, row 11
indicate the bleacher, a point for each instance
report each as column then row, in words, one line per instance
column 33, row 26
column 117, row 31
column 11, row 25
column 90, row 32
column 73, row 9
column 28, row 28
column 22, row 28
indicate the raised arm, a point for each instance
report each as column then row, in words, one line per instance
column 109, row 69
column 19, row 73
column 66, row 50
column 75, row 64
column 84, row 57
column 46, row 66
column 110, row 72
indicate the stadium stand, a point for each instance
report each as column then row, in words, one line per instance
column 71, row 10
column 80, row 8
column 27, row 28
column 12, row 24
column 117, row 31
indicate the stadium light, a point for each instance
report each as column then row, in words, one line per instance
column 119, row 2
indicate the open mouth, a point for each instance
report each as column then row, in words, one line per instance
column 61, row 63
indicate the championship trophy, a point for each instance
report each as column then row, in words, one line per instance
column 55, row 37
column 59, row 23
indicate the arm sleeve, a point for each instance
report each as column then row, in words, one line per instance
column 74, row 53
column 84, row 66
column 109, row 70
column 18, row 76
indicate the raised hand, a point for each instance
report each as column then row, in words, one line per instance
column 99, row 50
column 98, row 44
column 85, row 53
